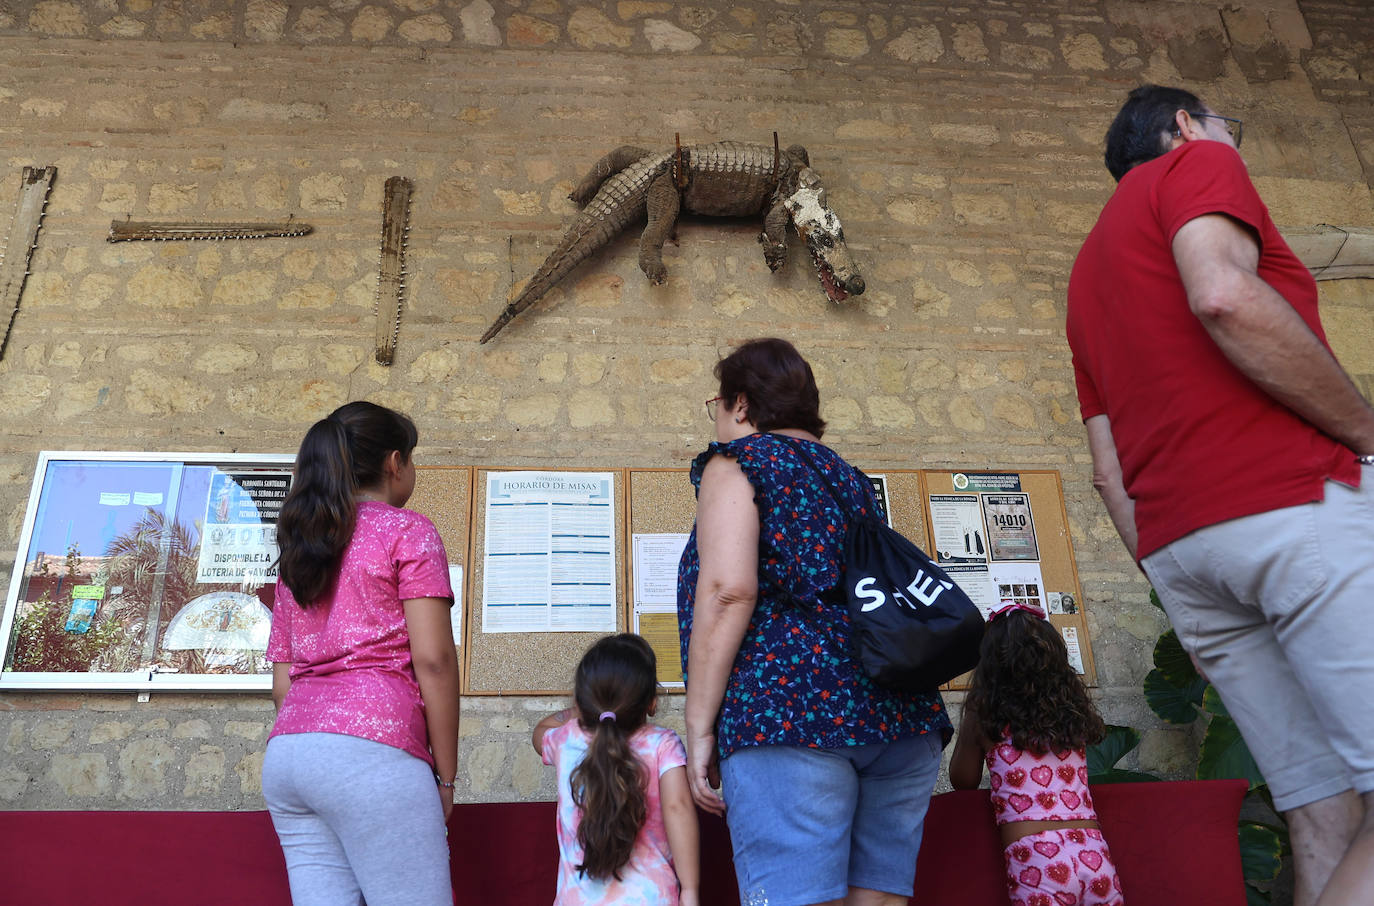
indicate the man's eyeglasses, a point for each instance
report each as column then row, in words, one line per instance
column 711, row 407
column 1233, row 125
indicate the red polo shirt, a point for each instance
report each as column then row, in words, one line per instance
column 1199, row 443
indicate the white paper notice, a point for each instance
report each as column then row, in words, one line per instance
column 655, row 568
column 975, row 582
column 1070, row 634
column 455, row 613
column 549, row 564
column 1019, row 582
column 958, row 523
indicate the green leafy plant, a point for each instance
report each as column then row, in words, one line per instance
column 42, row 643
column 1180, row 695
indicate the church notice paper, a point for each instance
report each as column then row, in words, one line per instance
column 549, row 562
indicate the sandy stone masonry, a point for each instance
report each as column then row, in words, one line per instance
column 960, row 144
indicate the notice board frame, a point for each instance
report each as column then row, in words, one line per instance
column 662, row 500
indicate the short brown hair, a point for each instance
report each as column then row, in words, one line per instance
column 775, row 382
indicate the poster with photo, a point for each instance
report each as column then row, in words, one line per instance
column 957, row 523
column 1011, row 530
column 1019, row 582
column 144, row 569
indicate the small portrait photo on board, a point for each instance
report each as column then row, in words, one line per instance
column 1062, row 602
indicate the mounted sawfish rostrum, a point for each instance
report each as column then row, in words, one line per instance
column 722, row 179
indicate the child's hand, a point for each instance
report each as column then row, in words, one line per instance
column 689, row 898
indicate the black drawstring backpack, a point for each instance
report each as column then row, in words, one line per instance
column 913, row 627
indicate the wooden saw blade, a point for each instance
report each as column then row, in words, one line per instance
column 34, row 187
column 391, row 277
column 131, row 230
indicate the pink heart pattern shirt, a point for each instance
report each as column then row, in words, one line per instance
column 1030, row 787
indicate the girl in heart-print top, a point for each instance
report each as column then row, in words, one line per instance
column 1028, row 717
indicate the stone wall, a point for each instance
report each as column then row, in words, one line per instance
column 961, row 145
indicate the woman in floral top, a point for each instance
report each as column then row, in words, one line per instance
column 827, row 777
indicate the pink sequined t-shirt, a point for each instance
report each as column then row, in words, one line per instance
column 648, row 879
column 351, row 670
column 1029, row 787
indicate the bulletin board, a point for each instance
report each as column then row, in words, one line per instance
column 654, row 501
column 661, row 501
column 527, row 663
column 444, row 495
column 1055, row 559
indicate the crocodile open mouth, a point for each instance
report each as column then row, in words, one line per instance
column 826, row 273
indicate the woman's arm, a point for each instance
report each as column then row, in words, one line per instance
column 680, row 821
column 281, row 682
column 727, row 590
column 551, row 722
column 966, row 764
column 436, row 669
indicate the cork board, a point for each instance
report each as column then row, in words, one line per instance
column 906, row 503
column 1057, row 566
column 661, row 500
column 527, row 663
column 444, row 495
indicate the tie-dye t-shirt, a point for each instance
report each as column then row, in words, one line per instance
column 351, row 671
column 648, row 879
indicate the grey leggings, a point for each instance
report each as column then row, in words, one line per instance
column 358, row 820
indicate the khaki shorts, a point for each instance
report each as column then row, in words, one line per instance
column 1278, row 608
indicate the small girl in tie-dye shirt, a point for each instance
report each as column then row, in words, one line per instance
column 627, row 826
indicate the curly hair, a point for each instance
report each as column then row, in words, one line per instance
column 617, row 674
column 1024, row 687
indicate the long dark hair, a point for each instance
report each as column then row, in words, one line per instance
column 1024, row 686
column 617, row 674
column 776, row 383
column 341, row 453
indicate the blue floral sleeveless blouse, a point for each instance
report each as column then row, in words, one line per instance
column 795, row 681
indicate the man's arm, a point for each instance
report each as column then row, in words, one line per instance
column 1107, row 479
column 1262, row 334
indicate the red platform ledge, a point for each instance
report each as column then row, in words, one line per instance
column 1174, row 843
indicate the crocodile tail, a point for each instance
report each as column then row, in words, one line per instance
column 620, row 201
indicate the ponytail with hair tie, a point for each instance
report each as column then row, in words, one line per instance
column 342, row 452
column 617, row 681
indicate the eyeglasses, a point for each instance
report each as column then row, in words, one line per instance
column 711, row 407
column 1233, row 125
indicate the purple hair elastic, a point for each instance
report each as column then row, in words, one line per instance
column 607, row 715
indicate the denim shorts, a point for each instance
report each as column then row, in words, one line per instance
column 808, row 824
column 1276, row 608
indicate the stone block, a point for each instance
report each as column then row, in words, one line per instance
column 589, row 27
column 430, row 28
column 478, row 27
column 249, row 771
column 917, row 45
column 80, row 776
column 204, row 773
column 663, row 36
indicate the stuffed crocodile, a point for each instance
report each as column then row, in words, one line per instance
column 723, row 179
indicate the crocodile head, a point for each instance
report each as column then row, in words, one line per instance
column 820, row 229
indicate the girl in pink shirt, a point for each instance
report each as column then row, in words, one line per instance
column 627, row 827
column 1028, row 717
column 359, row 769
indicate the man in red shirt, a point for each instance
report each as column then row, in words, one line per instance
column 1228, row 444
